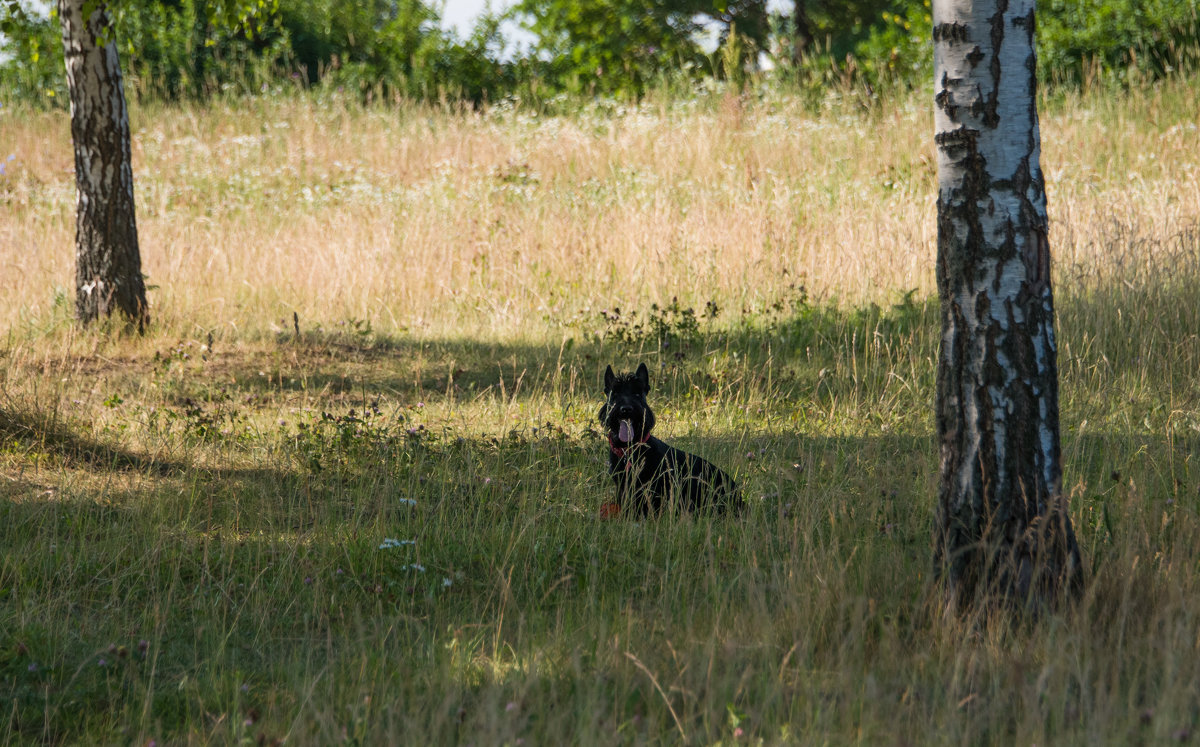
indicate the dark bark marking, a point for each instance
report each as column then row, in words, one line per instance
column 1030, row 23
column 1027, row 22
column 979, row 105
column 1040, row 261
column 951, row 32
column 945, row 101
column 963, row 137
column 990, row 116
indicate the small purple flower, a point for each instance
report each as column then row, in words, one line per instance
column 308, row 580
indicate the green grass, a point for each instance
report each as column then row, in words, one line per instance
column 369, row 529
column 229, row 511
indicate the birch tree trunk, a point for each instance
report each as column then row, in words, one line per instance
column 108, row 268
column 802, row 37
column 1003, row 532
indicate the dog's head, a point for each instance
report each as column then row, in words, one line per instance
column 625, row 415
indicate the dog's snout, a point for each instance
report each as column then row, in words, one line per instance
column 625, row 410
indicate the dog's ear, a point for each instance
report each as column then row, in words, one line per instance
column 609, row 378
column 643, row 378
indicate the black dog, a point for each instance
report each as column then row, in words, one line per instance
column 650, row 475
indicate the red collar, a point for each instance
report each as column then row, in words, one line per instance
column 621, row 452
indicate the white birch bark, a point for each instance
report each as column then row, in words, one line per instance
column 108, row 274
column 1003, row 530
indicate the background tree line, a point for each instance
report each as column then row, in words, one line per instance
column 173, row 49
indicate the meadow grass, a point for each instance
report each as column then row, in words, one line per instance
column 347, row 487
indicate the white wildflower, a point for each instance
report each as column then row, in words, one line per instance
column 388, row 543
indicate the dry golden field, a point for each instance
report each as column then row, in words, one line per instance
column 491, row 225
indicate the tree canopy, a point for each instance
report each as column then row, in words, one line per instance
column 199, row 48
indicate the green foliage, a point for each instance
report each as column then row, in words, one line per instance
column 174, row 49
column 672, row 328
column 471, row 69
column 34, row 70
column 395, row 48
column 1119, row 40
column 898, row 50
column 1123, row 41
column 358, row 44
column 191, row 48
column 836, row 27
column 613, row 46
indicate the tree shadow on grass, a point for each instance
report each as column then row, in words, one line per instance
column 351, row 368
column 45, row 445
column 33, row 431
column 343, row 451
column 790, row 360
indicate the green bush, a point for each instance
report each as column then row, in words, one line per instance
column 359, row 45
column 1080, row 40
column 34, row 68
column 174, row 49
column 899, row 49
column 1121, row 41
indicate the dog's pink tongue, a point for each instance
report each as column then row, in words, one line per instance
column 625, row 432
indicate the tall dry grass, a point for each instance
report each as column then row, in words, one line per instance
column 471, row 224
